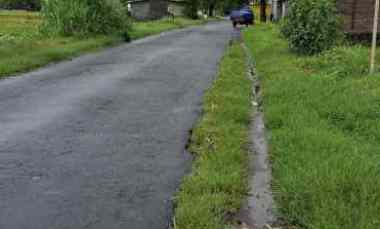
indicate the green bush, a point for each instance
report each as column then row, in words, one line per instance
column 83, row 17
column 312, row 26
column 20, row 4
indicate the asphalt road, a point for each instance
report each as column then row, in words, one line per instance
column 98, row 142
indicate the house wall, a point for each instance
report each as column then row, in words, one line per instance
column 158, row 8
column 357, row 15
column 177, row 8
column 148, row 9
column 140, row 10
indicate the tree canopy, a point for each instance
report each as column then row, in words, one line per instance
column 209, row 6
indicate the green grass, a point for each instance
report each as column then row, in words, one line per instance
column 23, row 48
column 16, row 57
column 323, row 114
column 218, row 182
column 143, row 29
column 18, row 23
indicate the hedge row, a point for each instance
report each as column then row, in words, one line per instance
column 21, row 4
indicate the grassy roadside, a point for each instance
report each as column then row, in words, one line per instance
column 22, row 48
column 323, row 113
column 218, row 182
column 143, row 29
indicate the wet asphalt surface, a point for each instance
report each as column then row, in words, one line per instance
column 98, row 142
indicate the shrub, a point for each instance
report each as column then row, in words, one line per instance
column 20, row 4
column 83, row 17
column 312, row 25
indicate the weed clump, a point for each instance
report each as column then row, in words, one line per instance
column 84, row 17
column 339, row 62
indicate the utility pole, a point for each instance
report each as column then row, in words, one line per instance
column 374, row 37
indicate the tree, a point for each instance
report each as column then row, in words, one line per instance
column 210, row 6
column 263, row 10
column 227, row 5
column 192, row 8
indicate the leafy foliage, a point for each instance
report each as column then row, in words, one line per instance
column 210, row 6
column 227, row 5
column 312, row 25
column 191, row 10
column 20, row 4
column 82, row 17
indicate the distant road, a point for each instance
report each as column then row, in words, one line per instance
column 98, row 142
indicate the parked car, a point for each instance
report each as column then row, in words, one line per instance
column 243, row 16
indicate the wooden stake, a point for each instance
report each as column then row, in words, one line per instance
column 374, row 37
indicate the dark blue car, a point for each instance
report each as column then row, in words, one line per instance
column 243, row 16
